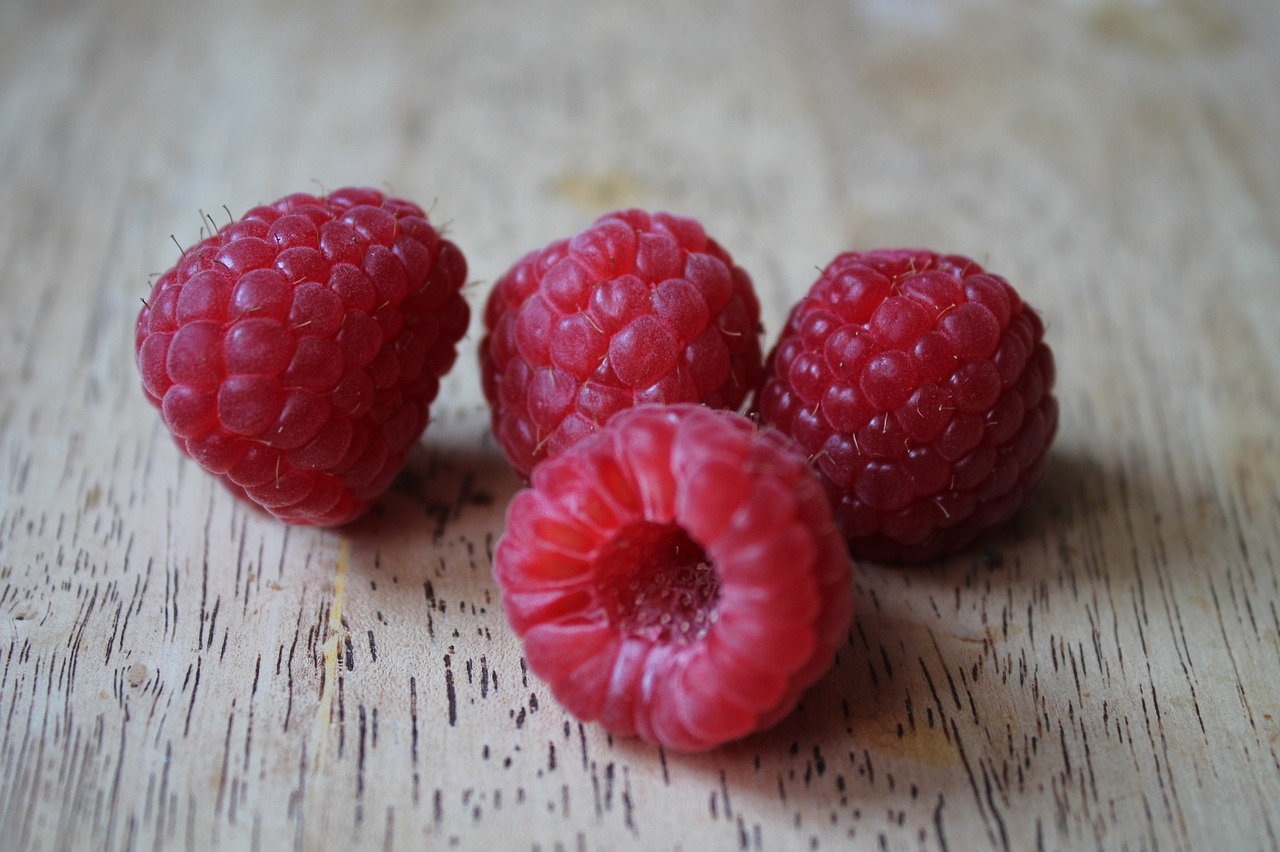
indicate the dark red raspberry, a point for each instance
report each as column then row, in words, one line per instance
column 637, row 308
column 920, row 386
column 676, row 575
column 294, row 354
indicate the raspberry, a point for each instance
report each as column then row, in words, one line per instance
column 637, row 308
column 676, row 575
column 294, row 354
column 920, row 386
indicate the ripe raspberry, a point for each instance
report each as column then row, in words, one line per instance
column 637, row 308
column 676, row 575
column 294, row 353
column 921, row 387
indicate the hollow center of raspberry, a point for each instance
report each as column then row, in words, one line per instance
column 659, row 585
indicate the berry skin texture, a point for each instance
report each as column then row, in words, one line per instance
column 637, row 308
column 295, row 353
column 921, row 388
column 677, row 576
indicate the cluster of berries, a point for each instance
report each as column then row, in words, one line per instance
column 675, row 569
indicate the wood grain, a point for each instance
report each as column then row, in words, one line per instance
column 180, row 672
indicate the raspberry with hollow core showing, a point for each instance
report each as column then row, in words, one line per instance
column 921, row 387
column 294, row 354
column 676, row 576
column 637, row 308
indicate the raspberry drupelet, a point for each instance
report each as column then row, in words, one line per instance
column 637, row 308
column 294, row 353
column 676, row 575
column 921, row 387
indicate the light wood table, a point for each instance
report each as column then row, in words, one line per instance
column 178, row 671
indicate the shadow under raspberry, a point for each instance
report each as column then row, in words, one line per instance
column 443, row 490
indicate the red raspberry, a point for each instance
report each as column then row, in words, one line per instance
column 921, row 388
column 294, row 353
column 637, row 308
column 676, row 575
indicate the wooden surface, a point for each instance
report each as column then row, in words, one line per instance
column 180, row 672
